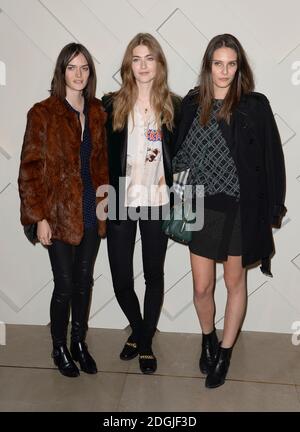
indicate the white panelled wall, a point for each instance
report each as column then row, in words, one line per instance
column 32, row 32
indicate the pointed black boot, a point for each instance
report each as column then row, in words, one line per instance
column 81, row 300
column 79, row 351
column 210, row 346
column 217, row 377
column 63, row 360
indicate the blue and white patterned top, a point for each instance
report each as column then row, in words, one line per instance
column 89, row 193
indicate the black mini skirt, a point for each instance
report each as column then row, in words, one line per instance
column 220, row 235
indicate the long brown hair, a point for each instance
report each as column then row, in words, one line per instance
column 242, row 83
column 58, row 83
column 160, row 97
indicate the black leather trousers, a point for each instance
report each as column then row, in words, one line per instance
column 72, row 268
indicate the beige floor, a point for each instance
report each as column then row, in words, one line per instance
column 264, row 375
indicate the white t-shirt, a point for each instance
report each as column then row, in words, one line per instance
column 145, row 176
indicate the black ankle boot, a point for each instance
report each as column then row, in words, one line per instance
column 217, row 376
column 210, row 346
column 63, row 360
column 79, row 351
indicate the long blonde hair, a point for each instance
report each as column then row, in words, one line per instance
column 160, row 97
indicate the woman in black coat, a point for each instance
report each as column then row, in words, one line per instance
column 229, row 139
column 141, row 119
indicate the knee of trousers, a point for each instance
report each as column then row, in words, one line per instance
column 154, row 278
column 62, row 297
column 83, row 285
column 63, row 282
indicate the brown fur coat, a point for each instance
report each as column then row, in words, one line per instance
column 50, row 184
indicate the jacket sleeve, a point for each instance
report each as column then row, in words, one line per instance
column 102, row 174
column 31, row 179
column 275, row 167
column 181, row 160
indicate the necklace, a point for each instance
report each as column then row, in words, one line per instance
column 144, row 105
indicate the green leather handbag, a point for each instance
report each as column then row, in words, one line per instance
column 176, row 226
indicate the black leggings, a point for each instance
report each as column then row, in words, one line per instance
column 72, row 268
column 121, row 243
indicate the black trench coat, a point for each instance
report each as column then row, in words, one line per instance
column 256, row 149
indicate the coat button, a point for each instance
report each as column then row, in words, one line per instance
column 244, row 125
column 261, row 195
column 257, row 168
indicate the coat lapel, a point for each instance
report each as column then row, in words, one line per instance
column 239, row 130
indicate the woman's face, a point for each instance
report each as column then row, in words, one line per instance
column 77, row 73
column 224, row 67
column 144, row 64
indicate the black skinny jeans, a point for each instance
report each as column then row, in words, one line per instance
column 121, row 243
column 72, row 268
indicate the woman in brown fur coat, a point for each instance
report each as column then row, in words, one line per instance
column 63, row 161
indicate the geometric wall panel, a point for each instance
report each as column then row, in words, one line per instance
column 169, row 31
column 24, row 268
column 2, row 73
column 4, row 170
column 286, row 132
column 283, row 14
column 265, row 304
column 94, row 34
column 32, row 18
column 296, row 261
column 32, row 34
column 142, row 6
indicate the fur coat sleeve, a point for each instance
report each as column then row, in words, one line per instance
column 32, row 168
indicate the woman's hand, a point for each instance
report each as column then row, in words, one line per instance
column 44, row 233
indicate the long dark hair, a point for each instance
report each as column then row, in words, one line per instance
column 58, row 83
column 242, row 83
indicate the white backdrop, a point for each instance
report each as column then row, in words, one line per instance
column 32, row 32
